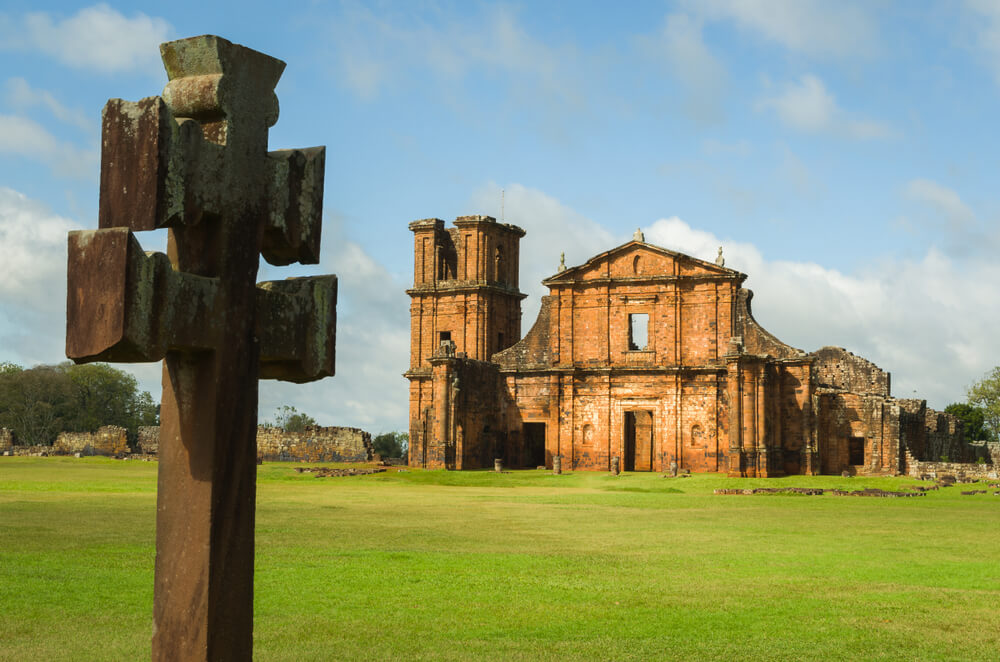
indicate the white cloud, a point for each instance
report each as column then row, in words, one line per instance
column 930, row 322
column 23, row 97
column 374, row 54
column 807, row 106
column 985, row 18
column 814, row 27
column 25, row 138
column 680, row 47
column 98, row 38
column 32, row 281
column 943, row 200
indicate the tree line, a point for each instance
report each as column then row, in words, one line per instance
column 980, row 415
column 40, row 402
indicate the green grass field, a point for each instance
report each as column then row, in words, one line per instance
column 519, row 566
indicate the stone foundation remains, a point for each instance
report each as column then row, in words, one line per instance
column 6, row 439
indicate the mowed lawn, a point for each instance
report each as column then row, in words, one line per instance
column 519, row 566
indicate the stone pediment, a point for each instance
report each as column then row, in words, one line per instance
column 642, row 261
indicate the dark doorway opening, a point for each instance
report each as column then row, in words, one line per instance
column 534, row 444
column 856, row 450
column 638, row 441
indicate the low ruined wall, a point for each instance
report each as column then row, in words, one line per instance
column 148, row 440
column 108, row 440
column 315, row 444
column 960, row 470
column 28, row 451
column 6, row 439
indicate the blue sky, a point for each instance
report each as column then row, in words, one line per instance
column 844, row 155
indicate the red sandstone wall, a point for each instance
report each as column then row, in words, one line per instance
column 690, row 321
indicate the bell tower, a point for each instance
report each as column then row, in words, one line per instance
column 464, row 303
column 465, row 288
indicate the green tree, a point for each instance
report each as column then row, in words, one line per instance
column 36, row 403
column 973, row 420
column 985, row 394
column 291, row 420
column 43, row 401
column 108, row 396
column 391, row 444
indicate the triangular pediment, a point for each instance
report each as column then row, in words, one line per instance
column 637, row 259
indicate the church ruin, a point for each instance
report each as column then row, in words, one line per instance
column 641, row 353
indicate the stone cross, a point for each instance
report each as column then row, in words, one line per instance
column 195, row 161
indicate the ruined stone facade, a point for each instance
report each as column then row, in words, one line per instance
column 6, row 439
column 108, row 440
column 641, row 353
column 148, row 440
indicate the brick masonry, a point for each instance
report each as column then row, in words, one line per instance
column 641, row 353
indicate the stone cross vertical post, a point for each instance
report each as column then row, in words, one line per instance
column 195, row 161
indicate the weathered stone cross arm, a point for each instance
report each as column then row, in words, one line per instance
column 185, row 178
column 129, row 306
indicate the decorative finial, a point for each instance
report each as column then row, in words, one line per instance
column 719, row 260
column 639, row 236
column 562, row 262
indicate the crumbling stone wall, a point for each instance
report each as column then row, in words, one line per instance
column 986, row 451
column 836, row 368
column 945, row 440
column 148, row 440
column 6, row 439
column 108, row 440
column 961, row 470
column 314, row 444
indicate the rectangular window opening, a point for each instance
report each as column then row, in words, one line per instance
column 444, row 336
column 856, row 450
column 638, row 331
